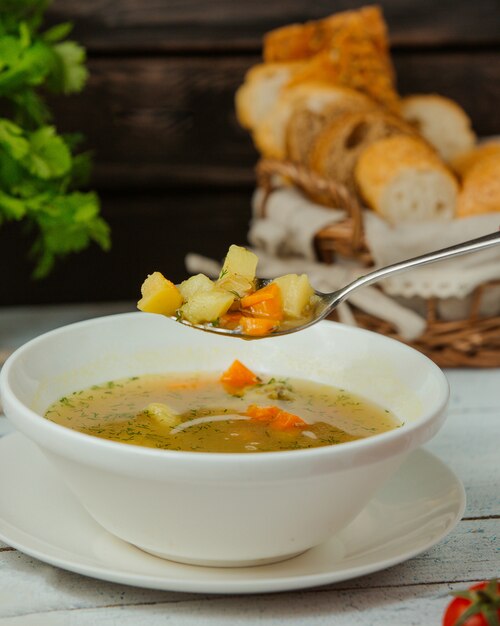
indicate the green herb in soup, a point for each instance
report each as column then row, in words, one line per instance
column 236, row 412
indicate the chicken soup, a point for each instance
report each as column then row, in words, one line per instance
column 238, row 411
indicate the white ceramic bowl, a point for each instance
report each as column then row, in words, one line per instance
column 222, row 509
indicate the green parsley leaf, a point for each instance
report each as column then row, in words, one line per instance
column 67, row 224
column 69, row 73
column 31, row 109
column 39, row 170
column 31, row 69
column 12, row 208
column 12, row 139
column 57, row 32
column 48, row 156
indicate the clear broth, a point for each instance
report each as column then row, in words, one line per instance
column 116, row 410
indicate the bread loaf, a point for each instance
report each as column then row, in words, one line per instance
column 357, row 66
column 314, row 97
column 441, row 121
column 348, row 49
column 305, row 124
column 338, row 147
column 480, row 191
column 402, row 178
column 300, row 41
column 260, row 90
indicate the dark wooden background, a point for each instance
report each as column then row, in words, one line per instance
column 173, row 169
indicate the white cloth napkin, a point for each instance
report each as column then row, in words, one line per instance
column 455, row 278
column 290, row 224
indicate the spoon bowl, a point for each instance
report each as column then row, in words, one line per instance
column 327, row 302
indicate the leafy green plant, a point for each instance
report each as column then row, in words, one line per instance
column 40, row 170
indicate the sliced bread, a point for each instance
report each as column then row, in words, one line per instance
column 337, row 148
column 270, row 134
column 305, row 124
column 466, row 160
column 441, row 121
column 402, row 178
column 260, row 90
column 480, row 191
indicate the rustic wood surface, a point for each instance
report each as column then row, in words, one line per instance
column 159, row 117
column 225, row 24
column 413, row 593
column 170, row 121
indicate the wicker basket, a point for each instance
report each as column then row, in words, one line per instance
column 470, row 342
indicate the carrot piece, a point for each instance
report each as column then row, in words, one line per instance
column 268, row 292
column 272, row 308
column 238, row 375
column 269, row 304
column 262, row 413
column 277, row 418
column 258, row 326
column 230, row 320
column 230, row 316
column 284, row 421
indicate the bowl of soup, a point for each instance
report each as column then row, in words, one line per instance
column 216, row 451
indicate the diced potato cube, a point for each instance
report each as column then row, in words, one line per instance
column 240, row 261
column 192, row 285
column 159, row 295
column 237, row 284
column 296, row 293
column 207, row 306
column 163, row 414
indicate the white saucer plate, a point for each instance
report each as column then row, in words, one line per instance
column 40, row 517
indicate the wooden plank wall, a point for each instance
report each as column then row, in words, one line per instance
column 174, row 170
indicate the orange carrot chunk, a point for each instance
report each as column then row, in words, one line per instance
column 269, row 304
column 286, row 421
column 258, row 326
column 268, row 292
column 272, row 308
column 262, row 413
column 230, row 320
column 238, row 375
column 277, row 418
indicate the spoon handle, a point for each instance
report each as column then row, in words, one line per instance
column 473, row 245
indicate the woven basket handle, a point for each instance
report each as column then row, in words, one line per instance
column 335, row 194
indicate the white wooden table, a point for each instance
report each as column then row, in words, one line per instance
column 33, row 593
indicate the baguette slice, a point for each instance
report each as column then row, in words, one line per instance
column 441, row 121
column 403, row 179
column 260, row 90
column 339, row 145
column 270, row 134
column 481, row 187
column 305, row 125
column 467, row 160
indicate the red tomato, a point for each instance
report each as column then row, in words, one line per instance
column 479, row 606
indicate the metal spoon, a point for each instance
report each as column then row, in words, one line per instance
column 329, row 301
